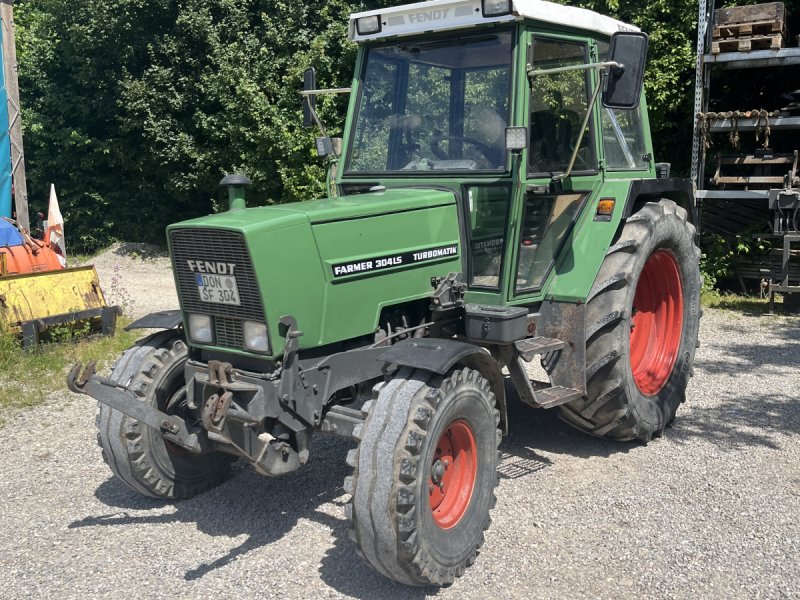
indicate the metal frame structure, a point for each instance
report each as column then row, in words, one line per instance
column 728, row 61
column 14, row 114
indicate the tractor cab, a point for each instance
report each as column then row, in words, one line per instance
column 521, row 109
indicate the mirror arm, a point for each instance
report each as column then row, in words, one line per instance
column 307, row 94
column 314, row 115
column 603, row 66
column 328, row 91
column 590, row 111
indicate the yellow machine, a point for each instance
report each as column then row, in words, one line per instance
column 31, row 303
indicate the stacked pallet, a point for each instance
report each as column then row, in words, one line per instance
column 746, row 28
column 762, row 170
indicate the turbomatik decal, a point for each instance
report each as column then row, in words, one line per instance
column 379, row 263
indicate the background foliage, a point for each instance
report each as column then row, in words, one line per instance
column 136, row 108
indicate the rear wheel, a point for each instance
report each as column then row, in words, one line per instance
column 642, row 321
column 137, row 454
column 424, row 476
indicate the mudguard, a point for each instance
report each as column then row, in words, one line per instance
column 441, row 355
column 165, row 319
column 678, row 190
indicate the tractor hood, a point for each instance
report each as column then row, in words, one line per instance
column 333, row 264
column 268, row 218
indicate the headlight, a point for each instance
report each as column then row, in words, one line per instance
column 200, row 329
column 255, row 337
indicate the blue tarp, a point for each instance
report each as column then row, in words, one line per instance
column 5, row 143
column 9, row 236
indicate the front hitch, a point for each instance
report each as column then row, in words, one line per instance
column 108, row 392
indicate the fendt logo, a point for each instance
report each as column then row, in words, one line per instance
column 211, row 268
column 431, row 15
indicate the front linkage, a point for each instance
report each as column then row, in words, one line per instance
column 266, row 418
column 227, row 407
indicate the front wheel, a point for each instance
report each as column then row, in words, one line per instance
column 642, row 321
column 137, row 454
column 424, row 476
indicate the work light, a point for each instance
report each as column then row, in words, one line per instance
column 496, row 8
column 369, row 25
column 516, row 139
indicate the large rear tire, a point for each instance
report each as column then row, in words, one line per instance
column 642, row 320
column 424, row 476
column 137, row 454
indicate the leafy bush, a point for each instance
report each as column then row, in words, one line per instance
column 135, row 110
column 719, row 255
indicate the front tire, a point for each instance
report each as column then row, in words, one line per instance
column 137, row 454
column 424, row 476
column 642, row 320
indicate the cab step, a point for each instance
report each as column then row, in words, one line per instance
column 556, row 396
column 535, row 393
column 530, row 347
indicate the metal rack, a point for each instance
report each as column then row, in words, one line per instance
column 774, row 281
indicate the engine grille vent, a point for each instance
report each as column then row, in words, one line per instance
column 228, row 333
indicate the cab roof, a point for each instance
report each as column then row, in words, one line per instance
column 442, row 15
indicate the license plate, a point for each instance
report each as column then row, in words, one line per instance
column 219, row 289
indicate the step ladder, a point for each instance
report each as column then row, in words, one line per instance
column 543, row 397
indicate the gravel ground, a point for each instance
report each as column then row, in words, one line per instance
column 710, row 511
column 137, row 277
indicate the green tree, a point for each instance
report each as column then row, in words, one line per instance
column 670, row 76
column 136, row 108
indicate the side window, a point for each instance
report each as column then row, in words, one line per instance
column 488, row 217
column 623, row 134
column 623, row 139
column 558, row 106
column 546, row 223
column 373, row 127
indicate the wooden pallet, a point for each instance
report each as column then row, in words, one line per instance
column 731, row 217
column 751, row 268
column 755, row 171
column 739, row 30
column 746, row 44
column 740, row 21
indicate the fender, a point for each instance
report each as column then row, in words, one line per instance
column 165, row 319
column 441, row 355
column 676, row 189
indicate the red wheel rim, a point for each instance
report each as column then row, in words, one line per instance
column 657, row 322
column 452, row 474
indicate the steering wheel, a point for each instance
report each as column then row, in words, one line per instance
column 484, row 149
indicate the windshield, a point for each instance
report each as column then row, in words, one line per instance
column 440, row 106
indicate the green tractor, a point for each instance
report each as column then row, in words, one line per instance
column 495, row 201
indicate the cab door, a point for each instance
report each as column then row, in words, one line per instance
column 549, row 208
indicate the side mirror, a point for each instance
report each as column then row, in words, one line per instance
column 324, row 146
column 624, row 89
column 310, row 101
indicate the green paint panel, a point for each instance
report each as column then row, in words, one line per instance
column 580, row 261
column 294, row 248
column 353, row 303
column 365, row 205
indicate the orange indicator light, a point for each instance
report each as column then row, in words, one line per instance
column 606, row 207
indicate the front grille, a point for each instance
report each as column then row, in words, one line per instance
column 214, row 245
column 228, row 332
